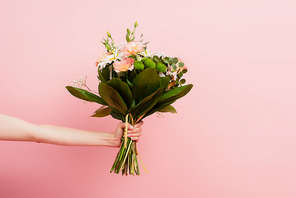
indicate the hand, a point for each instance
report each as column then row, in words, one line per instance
column 134, row 132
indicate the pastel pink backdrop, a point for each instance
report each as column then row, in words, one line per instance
column 234, row 134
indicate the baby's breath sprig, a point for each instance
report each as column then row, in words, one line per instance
column 81, row 82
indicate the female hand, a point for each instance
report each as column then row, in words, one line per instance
column 134, row 132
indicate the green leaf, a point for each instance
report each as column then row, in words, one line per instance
column 146, row 104
column 165, row 82
column 170, row 97
column 168, row 108
column 157, row 107
column 104, row 74
column 179, row 75
column 182, row 81
column 123, row 89
column 184, row 71
column 112, row 98
column 115, row 115
column 102, row 112
column 129, row 83
column 85, row 95
column 146, row 83
column 181, row 64
column 175, row 94
column 175, row 60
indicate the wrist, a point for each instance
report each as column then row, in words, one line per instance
column 113, row 141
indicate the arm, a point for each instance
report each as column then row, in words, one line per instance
column 15, row 129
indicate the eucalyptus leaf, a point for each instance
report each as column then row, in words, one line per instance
column 181, row 64
column 175, row 60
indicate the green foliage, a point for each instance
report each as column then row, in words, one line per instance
column 175, row 60
column 182, row 81
column 179, row 75
column 146, row 104
column 112, row 98
column 85, row 95
column 165, row 82
column 168, row 108
column 102, row 112
column 146, row 83
column 170, row 97
column 123, row 90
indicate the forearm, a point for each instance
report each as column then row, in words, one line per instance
column 68, row 136
column 15, row 129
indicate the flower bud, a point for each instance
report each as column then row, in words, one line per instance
column 150, row 63
column 108, row 47
column 136, row 24
column 108, row 33
column 138, row 65
column 161, row 67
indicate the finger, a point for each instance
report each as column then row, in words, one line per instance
column 136, row 130
column 134, row 134
column 122, row 125
column 139, row 124
column 135, row 138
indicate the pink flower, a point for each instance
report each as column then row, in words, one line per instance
column 124, row 65
column 103, row 57
column 132, row 48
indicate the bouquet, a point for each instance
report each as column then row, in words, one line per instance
column 133, row 84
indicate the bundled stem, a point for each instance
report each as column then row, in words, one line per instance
column 126, row 159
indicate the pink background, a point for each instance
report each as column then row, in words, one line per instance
column 234, row 135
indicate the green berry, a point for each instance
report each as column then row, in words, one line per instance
column 150, row 63
column 138, row 65
column 161, row 67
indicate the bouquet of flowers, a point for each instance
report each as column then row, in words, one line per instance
column 133, row 84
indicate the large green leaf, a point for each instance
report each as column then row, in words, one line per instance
column 123, row 89
column 116, row 116
column 170, row 97
column 157, row 107
column 168, row 108
column 102, row 112
column 85, row 95
column 112, row 98
column 146, row 104
column 146, row 83
column 104, row 74
column 165, row 82
column 175, row 94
